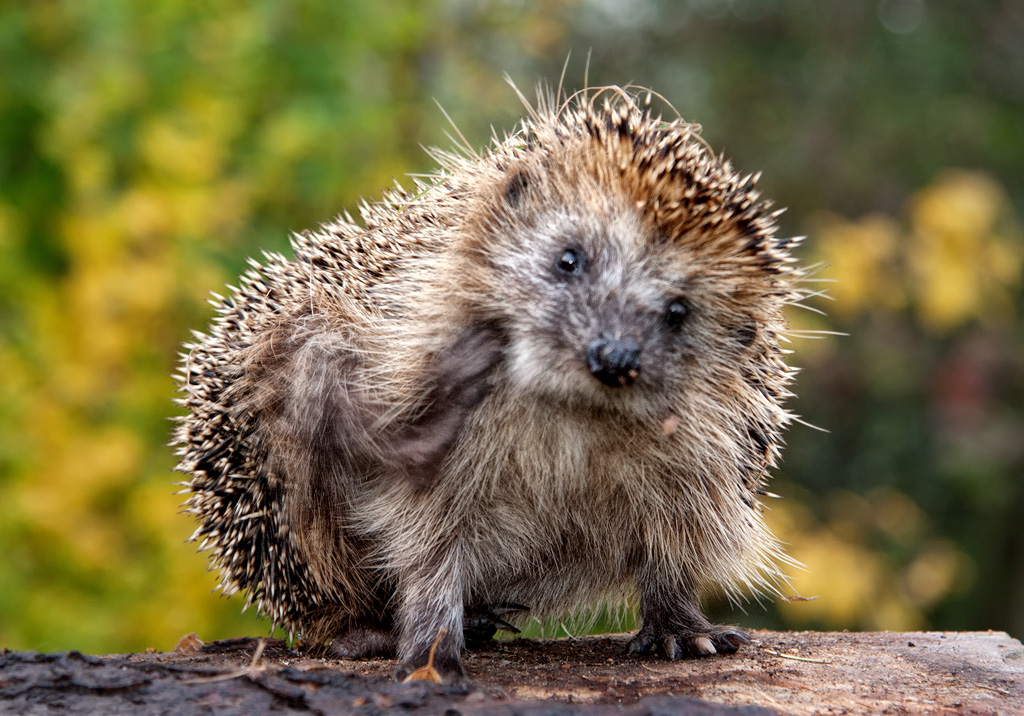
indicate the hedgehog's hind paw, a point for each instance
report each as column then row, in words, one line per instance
column 482, row 621
column 363, row 642
column 687, row 643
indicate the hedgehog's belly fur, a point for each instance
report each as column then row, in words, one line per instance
column 509, row 556
column 555, row 559
column 557, row 519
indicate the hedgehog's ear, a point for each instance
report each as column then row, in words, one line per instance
column 516, row 188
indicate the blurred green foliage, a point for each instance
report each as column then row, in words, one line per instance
column 147, row 148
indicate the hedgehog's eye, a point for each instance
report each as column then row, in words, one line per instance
column 677, row 311
column 571, row 262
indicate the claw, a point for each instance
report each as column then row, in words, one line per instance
column 736, row 637
column 639, row 644
column 728, row 639
column 704, row 646
column 507, row 608
column 505, row 626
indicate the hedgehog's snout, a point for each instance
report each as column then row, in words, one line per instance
column 614, row 361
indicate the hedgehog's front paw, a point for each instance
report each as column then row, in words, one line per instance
column 682, row 643
column 481, row 622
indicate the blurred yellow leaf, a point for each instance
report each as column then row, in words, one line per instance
column 862, row 259
column 856, row 585
column 938, row 570
column 173, row 147
column 845, row 575
column 958, row 210
column 960, row 267
column 895, row 514
column 144, row 212
column 960, row 259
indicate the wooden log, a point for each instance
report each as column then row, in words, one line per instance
column 779, row 672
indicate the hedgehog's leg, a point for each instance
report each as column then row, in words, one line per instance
column 674, row 624
column 430, row 620
column 431, row 611
column 456, row 383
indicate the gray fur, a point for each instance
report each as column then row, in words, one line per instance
column 400, row 421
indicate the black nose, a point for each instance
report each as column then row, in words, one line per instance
column 614, row 361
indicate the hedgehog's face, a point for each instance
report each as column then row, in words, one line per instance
column 601, row 310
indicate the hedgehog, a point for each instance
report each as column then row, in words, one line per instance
column 550, row 376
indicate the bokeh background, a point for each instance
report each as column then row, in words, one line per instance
column 147, row 148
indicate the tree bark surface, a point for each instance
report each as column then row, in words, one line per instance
column 778, row 672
